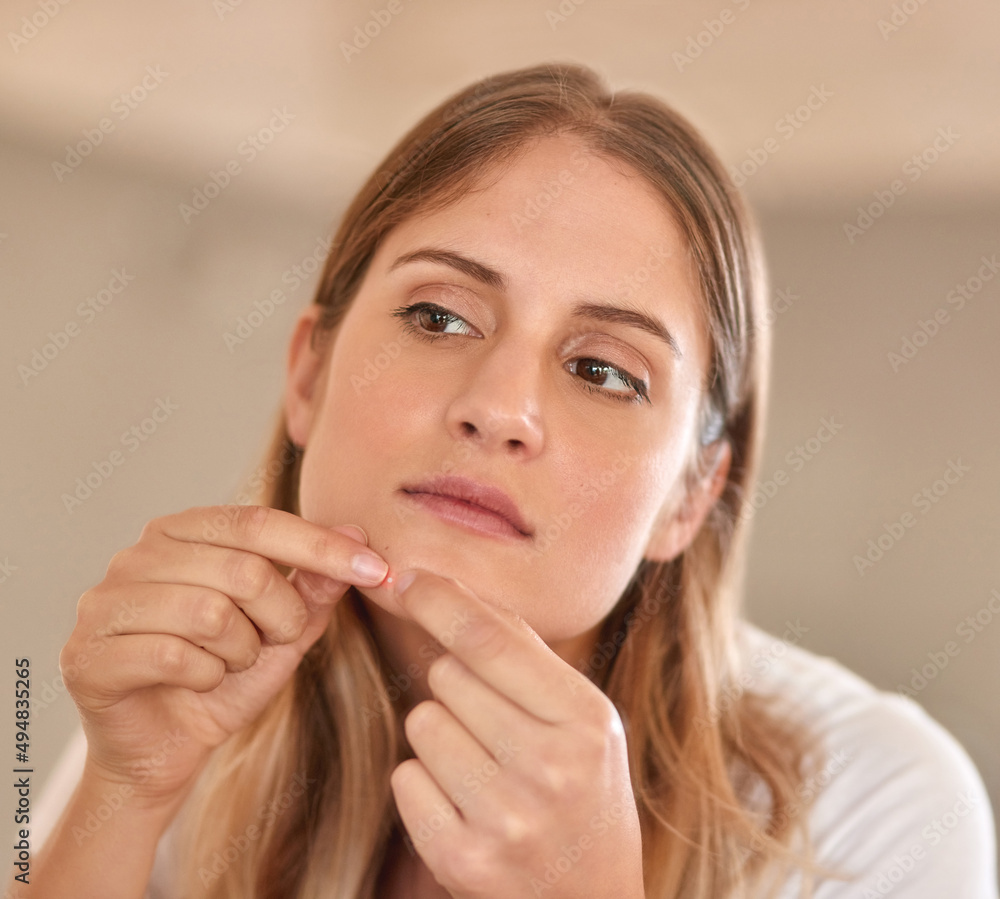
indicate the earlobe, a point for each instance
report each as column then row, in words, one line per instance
column 304, row 365
column 675, row 531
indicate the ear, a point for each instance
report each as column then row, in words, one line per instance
column 677, row 528
column 303, row 387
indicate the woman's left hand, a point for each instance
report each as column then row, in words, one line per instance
column 521, row 782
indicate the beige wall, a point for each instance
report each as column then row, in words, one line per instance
column 844, row 306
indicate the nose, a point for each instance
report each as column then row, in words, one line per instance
column 498, row 407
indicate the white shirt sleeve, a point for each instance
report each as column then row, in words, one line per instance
column 55, row 797
column 900, row 807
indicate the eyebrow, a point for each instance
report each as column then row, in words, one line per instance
column 604, row 312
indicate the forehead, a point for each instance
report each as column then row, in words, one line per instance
column 564, row 222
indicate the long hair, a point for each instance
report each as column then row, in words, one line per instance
column 298, row 804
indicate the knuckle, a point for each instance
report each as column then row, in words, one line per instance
column 169, row 657
column 467, row 871
column 293, row 625
column 321, row 548
column 250, row 575
column 67, row 670
column 248, row 521
column 214, row 615
column 515, row 829
column 150, row 528
column 553, row 777
column 610, row 722
column 119, row 563
column 440, row 670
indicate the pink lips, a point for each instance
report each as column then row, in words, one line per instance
column 470, row 503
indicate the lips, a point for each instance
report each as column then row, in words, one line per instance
column 476, row 494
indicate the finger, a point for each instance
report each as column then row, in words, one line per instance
column 133, row 661
column 319, row 593
column 435, row 826
column 252, row 582
column 506, row 653
column 277, row 535
column 499, row 726
column 459, row 764
column 200, row 615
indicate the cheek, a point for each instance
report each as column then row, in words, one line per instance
column 603, row 516
column 375, row 398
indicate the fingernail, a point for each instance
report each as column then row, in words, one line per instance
column 405, row 579
column 369, row 568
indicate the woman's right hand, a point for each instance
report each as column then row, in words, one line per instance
column 187, row 638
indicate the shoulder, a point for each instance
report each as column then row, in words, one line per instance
column 898, row 803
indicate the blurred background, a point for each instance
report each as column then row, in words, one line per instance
column 165, row 169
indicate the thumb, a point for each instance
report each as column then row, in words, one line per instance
column 319, row 592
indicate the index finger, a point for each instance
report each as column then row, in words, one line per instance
column 497, row 644
column 277, row 535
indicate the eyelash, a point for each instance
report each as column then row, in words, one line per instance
column 406, row 314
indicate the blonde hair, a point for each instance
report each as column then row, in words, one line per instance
column 299, row 805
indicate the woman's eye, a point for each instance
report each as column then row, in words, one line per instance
column 629, row 389
column 431, row 321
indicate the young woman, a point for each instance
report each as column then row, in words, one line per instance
column 482, row 637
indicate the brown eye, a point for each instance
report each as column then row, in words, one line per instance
column 430, row 321
column 597, row 372
column 436, row 319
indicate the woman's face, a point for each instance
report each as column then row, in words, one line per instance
column 515, row 371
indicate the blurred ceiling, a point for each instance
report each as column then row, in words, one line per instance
column 890, row 75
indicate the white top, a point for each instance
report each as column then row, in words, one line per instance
column 900, row 803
